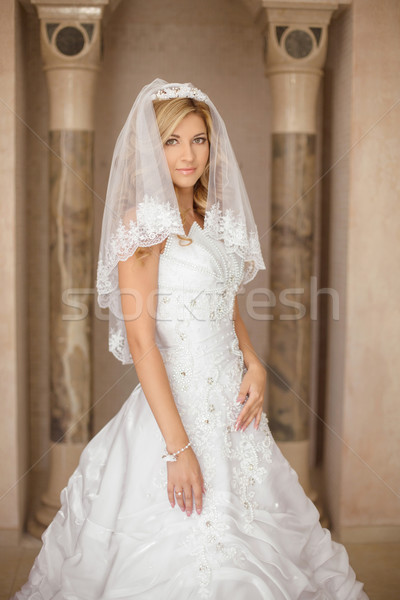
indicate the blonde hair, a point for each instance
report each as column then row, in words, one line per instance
column 169, row 113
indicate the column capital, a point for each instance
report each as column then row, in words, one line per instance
column 70, row 33
column 296, row 40
column 296, row 36
column 70, row 39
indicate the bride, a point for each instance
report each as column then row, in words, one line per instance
column 184, row 493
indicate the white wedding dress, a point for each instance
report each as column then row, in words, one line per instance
column 258, row 537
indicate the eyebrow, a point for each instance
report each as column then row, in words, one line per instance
column 178, row 136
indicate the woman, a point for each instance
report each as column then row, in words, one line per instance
column 178, row 242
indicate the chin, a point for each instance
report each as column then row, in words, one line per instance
column 186, row 183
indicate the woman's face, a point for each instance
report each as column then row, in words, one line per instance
column 187, row 151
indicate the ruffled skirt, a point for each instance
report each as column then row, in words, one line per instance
column 258, row 537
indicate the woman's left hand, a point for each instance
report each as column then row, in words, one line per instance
column 253, row 384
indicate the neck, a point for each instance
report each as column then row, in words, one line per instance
column 185, row 200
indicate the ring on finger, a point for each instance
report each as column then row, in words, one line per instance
column 178, row 493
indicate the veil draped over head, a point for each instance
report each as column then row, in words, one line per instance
column 142, row 208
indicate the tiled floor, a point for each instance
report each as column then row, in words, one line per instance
column 377, row 565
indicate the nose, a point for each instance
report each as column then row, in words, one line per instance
column 187, row 152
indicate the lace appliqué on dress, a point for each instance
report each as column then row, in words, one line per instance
column 248, row 451
column 208, row 408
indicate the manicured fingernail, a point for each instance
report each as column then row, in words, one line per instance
column 237, row 426
column 172, row 505
column 182, row 508
column 188, row 513
column 198, row 510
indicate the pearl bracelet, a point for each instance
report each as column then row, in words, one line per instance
column 172, row 457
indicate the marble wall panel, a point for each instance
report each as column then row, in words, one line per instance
column 71, row 284
column 293, row 208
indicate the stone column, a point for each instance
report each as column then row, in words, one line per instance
column 71, row 53
column 296, row 43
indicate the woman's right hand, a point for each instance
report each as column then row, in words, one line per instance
column 185, row 482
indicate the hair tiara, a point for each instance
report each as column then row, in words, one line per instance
column 179, row 91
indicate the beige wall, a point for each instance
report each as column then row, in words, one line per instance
column 363, row 475
column 13, row 324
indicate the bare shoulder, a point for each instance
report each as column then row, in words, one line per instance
column 139, row 267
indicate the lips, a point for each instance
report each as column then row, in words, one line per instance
column 186, row 171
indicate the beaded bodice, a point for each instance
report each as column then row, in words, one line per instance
column 197, row 284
